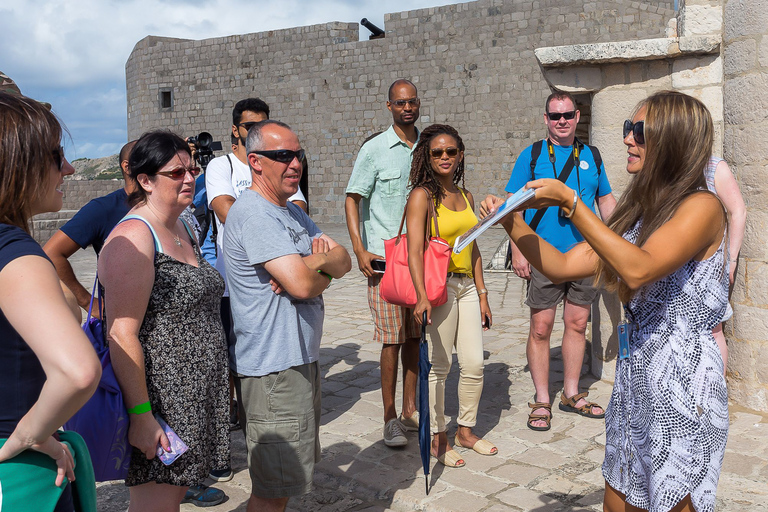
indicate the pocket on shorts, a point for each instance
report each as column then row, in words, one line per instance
column 275, row 444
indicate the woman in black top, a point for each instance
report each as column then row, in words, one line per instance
column 49, row 368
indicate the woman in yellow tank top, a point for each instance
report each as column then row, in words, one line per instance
column 437, row 169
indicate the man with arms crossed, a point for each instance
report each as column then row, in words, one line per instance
column 279, row 264
column 379, row 180
column 563, row 157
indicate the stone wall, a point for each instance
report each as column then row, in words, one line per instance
column 745, row 66
column 473, row 63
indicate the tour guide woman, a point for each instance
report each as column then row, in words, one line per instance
column 664, row 251
column 437, row 168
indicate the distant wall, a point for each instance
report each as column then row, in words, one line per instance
column 472, row 62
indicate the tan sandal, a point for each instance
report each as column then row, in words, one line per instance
column 450, row 458
column 535, row 417
column 481, row 446
column 569, row 405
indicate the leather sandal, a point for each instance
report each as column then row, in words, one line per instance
column 569, row 405
column 450, row 458
column 481, row 446
column 547, row 418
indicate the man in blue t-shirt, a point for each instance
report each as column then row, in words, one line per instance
column 560, row 156
column 91, row 225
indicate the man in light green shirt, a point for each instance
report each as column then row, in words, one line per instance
column 379, row 181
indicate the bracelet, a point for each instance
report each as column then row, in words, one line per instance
column 330, row 278
column 141, row 408
column 482, row 291
column 573, row 207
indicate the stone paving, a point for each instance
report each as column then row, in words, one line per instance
column 552, row 471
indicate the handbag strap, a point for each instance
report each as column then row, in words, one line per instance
column 93, row 294
column 430, row 215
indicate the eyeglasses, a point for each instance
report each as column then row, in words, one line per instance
column 247, row 125
column 402, row 103
column 555, row 116
column 180, row 173
column 637, row 129
column 58, row 157
column 284, row 156
column 438, row 152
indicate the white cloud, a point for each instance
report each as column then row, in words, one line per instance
column 75, row 52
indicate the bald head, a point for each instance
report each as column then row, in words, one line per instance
column 397, row 83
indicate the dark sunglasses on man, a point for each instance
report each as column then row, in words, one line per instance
column 284, row 156
column 247, row 125
column 637, row 129
column 555, row 116
column 415, row 102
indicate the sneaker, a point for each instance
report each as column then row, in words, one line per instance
column 202, row 496
column 394, row 434
column 221, row 475
column 409, row 424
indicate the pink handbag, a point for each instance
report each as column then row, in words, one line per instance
column 396, row 286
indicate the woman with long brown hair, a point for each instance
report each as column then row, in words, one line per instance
column 49, row 369
column 437, row 169
column 664, row 252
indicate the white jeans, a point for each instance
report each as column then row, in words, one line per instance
column 456, row 323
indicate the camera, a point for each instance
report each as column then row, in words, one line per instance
column 205, row 146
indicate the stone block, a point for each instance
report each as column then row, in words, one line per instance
column 575, row 79
column 757, row 284
column 700, row 19
column 745, row 144
column 745, row 18
column 740, row 56
column 736, row 90
column 690, row 72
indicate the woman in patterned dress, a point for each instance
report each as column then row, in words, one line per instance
column 664, row 251
column 166, row 341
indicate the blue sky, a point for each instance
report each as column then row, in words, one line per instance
column 72, row 54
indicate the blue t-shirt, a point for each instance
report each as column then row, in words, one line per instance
column 555, row 229
column 208, row 248
column 93, row 223
column 22, row 376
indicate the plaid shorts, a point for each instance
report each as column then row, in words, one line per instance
column 393, row 324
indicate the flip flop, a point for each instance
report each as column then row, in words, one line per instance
column 481, row 446
column 450, row 458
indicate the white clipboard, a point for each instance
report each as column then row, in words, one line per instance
column 514, row 201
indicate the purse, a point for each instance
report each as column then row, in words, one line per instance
column 103, row 420
column 396, row 285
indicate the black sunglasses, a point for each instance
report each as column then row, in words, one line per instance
column 555, row 116
column 438, row 152
column 58, row 157
column 247, row 125
column 284, row 156
column 180, row 173
column 402, row 103
column 637, row 129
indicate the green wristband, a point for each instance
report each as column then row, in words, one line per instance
column 330, row 278
column 141, row 408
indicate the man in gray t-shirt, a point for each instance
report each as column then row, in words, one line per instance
column 278, row 265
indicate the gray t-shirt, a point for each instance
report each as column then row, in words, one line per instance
column 272, row 332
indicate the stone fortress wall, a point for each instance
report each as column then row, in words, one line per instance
column 486, row 68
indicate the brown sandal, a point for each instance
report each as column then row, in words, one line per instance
column 534, row 417
column 569, row 405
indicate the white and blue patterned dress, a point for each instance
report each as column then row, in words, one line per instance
column 667, row 420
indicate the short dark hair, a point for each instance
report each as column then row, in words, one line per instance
column 152, row 151
column 255, row 105
column 125, row 151
column 400, row 81
column 559, row 95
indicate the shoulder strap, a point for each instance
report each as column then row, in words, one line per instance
column 535, row 152
column 195, row 242
column 93, row 294
column 231, row 169
column 564, row 174
column 597, row 157
column 158, row 245
column 430, row 215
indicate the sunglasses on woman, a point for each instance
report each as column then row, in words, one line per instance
column 438, row 152
column 180, row 173
column 637, row 129
column 58, row 157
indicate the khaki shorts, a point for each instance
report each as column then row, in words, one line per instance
column 393, row 324
column 282, row 427
column 543, row 293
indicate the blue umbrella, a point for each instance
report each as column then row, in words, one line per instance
column 425, row 438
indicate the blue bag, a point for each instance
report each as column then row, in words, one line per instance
column 103, row 420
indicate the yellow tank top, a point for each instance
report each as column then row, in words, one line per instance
column 453, row 224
